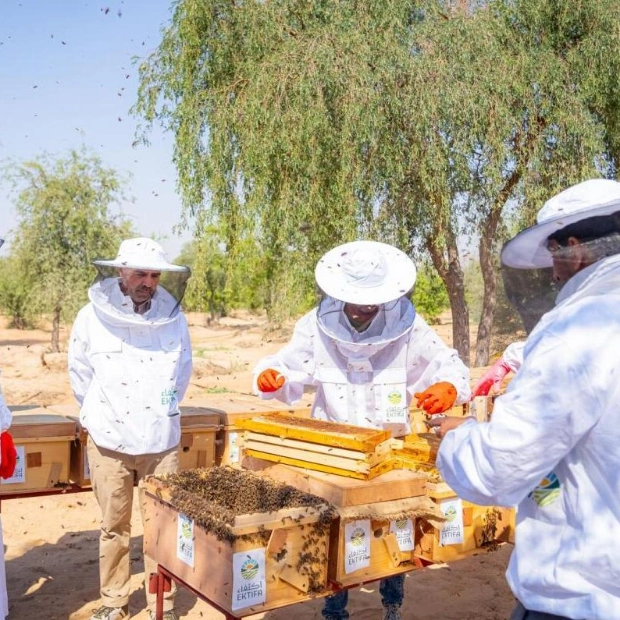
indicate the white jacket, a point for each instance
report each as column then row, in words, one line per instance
column 129, row 372
column 368, row 378
column 553, row 448
column 6, row 417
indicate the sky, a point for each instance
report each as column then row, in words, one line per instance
column 68, row 81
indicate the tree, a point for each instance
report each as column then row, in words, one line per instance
column 15, row 292
column 306, row 124
column 64, row 223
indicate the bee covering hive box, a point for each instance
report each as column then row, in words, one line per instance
column 43, row 442
column 468, row 528
column 246, row 543
column 377, row 540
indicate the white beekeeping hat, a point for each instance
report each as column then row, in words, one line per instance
column 141, row 253
column 365, row 272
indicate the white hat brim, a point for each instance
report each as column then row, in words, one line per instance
column 528, row 249
column 151, row 266
column 399, row 279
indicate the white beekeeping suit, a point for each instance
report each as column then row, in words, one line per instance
column 123, row 406
column 365, row 378
column 6, row 417
column 552, row 446
column 368, row 354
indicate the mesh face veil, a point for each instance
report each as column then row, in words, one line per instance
column 142, row 254
column 174, row 282
column 571, row 249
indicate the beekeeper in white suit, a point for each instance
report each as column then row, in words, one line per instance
column 559, row 414
column 130, row 362
column 8, row 457
column 8, row 460
column 368, row 353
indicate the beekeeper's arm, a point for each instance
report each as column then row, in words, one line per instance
column 436, row 376
column 532, row 429
column 284, row 375
column 80, row 370
column 510, row 361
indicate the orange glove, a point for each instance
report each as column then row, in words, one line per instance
column 269, row 380
column 8, row 455
column 437, row 398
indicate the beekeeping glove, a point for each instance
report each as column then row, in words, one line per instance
column 491, row 380
column 437, row 398
column 269, row 380
column 8, row 455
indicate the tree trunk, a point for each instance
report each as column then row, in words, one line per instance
column 451, row 273
column 483, row 339
column 487, row 252
column 56, row 330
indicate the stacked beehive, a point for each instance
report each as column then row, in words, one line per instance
column 341, row 449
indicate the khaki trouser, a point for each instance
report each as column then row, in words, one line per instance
column 112, row 475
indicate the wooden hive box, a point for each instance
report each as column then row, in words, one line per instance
column 43, row 442
column 269, row 559
column 342, row 491
column 342, row 449
column 468, row 529
column 79, row 470
column 371, row 506
column 199, row 428
column 377, row 540
column 234, row 408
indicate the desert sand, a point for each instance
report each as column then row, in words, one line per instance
column 51, row 542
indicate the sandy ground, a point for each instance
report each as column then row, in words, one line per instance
column 51, row 542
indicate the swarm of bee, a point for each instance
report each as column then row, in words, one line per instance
column 213, row 497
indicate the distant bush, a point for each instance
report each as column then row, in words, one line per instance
column 15, row 295
column 430, row 296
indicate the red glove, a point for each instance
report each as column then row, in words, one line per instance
column 437, row 398
column 8, row 455
column 269, row 380
column 491, row 379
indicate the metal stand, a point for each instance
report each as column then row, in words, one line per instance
column 161, row 581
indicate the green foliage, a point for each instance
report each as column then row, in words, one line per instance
column 301, row 125
column 64, row 223
column 430, row 296
column 15, row 293
column 219, row 285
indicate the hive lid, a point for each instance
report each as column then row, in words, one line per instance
column 199, row 417
column 39, row 423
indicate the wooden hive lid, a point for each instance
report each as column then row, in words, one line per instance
column 282, row 424
column 70, row 410
column 34, row 425
column 200, row 417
